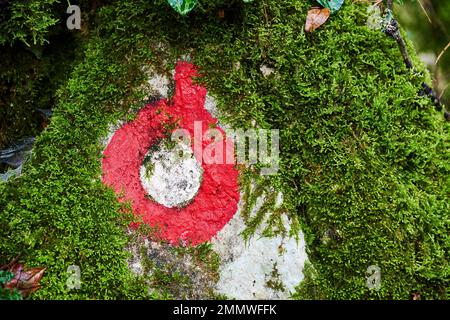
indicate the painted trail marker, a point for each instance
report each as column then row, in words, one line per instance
column 212, row 205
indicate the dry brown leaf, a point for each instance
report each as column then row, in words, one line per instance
column 315, row 18
column 25, row 281
column 415, row 296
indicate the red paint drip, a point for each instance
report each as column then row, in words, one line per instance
column 218, row 196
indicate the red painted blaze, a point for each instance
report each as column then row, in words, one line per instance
column 218, row 196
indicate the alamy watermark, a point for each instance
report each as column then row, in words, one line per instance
column 247, row 147
column 73, row 278
column 373, row 279
column 74, row 20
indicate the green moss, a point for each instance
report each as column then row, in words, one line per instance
column 204, row 256
column 29, row 79
column 360, row 151
column 27, row 21
column 149, row 166
column 274, row 281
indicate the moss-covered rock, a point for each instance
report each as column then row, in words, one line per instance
column 362, row 154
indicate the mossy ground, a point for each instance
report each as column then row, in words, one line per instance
column 361, row 152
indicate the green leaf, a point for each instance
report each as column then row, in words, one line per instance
column 183, row 6
column 5, row 293
column 333, row 5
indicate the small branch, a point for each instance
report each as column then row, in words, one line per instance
column 442, row 53
column 425, row 11
column 389, row 4
column 392, row 29
column 428, row 91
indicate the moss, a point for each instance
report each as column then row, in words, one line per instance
column 274, row 281
column 360, row 151
column 149, row 166
column 308, row 288
column 29, row 79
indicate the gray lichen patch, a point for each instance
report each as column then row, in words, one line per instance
column 266, row 71
column 174, row 272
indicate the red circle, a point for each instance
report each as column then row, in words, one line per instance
column 218, row 196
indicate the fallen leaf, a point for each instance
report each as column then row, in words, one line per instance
column 25, row 281
column 315, row 18
column 415, row 296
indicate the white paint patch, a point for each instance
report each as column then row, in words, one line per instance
column 171, row 177
column 248, row 268
column 262, row 268
column 211, row 105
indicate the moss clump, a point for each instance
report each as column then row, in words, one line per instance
column 360, row 151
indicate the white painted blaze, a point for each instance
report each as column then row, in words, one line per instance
column 171, row 176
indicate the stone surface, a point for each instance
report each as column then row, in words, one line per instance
column 262, row 268
column 148, row 257
column 157, row 84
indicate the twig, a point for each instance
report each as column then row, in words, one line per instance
column 428, row 91
column 392, row 29
column 425, row 11
column 442, row 52
column 389, row 4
